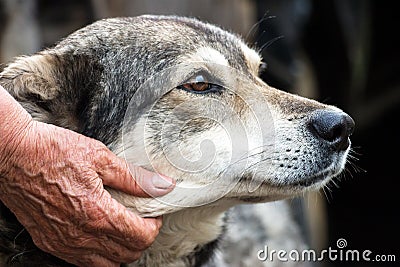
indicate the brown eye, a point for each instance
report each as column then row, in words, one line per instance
column 199, row 85
column 196, row 86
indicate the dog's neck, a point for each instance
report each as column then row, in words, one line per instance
column 183, row 234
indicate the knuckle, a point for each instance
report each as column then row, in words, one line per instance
column 138, row 172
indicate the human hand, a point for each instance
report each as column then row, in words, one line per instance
column 52, row 179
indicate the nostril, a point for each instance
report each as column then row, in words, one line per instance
column 333, row 127
column 337, row 131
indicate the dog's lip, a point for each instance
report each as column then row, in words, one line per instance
column 306, row 181
column 312, row 180
column 254, row 199
column 317, row 178
column 279, row 191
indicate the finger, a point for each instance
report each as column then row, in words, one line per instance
column 123, row 226
column 154, row 184
column 134, row 180
column 146, row 231
column 134, row 232
column 114, row 247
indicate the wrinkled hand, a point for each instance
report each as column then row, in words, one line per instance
column 52, row 179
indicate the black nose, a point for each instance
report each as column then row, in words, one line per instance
column 333, row 127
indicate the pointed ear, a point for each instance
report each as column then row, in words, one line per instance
column 51, row 86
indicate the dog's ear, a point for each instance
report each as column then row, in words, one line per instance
column 53, row 88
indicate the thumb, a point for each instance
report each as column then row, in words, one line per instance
column 135, row 180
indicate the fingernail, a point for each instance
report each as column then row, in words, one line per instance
column 162, row 182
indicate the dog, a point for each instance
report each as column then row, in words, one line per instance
column 183, row 98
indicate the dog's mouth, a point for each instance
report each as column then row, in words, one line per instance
column 310, row 181
column 251, row 199
column 316, row 179
column 268, row 190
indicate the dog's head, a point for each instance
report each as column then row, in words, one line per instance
column 183, row 98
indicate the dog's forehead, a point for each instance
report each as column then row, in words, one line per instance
column 209, row 43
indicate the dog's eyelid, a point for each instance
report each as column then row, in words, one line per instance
column 201, row 85
column 203, row 76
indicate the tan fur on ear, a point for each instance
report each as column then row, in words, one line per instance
column 32, row 81
column 31, row 75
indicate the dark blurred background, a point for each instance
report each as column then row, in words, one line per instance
column 345, row 53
